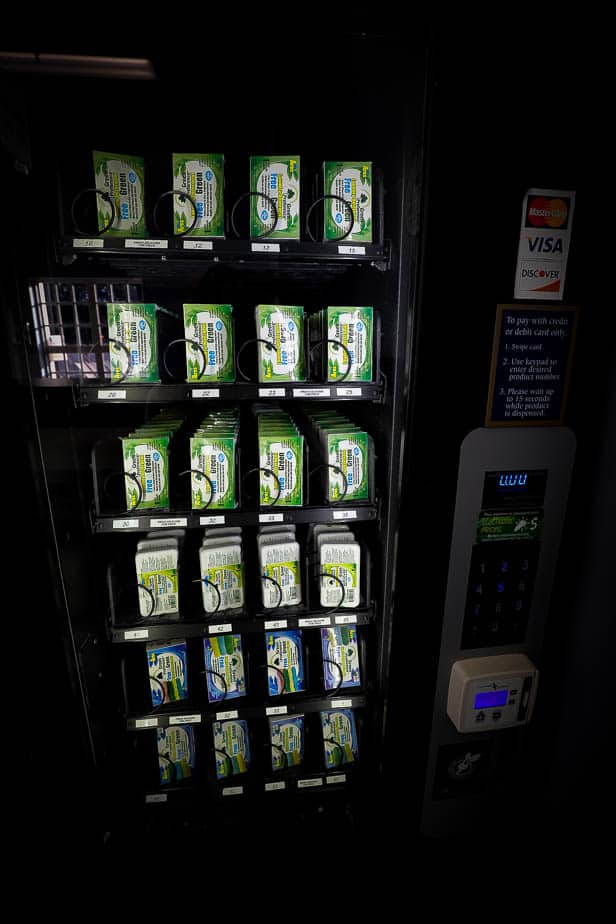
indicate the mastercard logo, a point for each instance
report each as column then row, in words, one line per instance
column 547, row 213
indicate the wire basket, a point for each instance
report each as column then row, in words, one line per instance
column 70, row 325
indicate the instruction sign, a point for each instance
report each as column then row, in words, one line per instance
column 531, row 360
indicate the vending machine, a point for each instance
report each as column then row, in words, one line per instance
column 286, row 570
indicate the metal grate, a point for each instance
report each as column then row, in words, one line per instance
column 70, row 325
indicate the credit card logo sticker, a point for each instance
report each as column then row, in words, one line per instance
column 542, row 212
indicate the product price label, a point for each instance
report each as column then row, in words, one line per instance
column 312, row 392
column 89, row 243
column 184, row 719
column 145, row 244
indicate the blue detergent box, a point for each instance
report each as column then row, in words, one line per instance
column 224, row 665
column 231, row 747
column 285, row 661
column 168, row 671
column 176, row 753
column 287, row 741
column 340, row 657
column 339, row 737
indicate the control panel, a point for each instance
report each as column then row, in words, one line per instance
column 491, row 693
column 511, row 499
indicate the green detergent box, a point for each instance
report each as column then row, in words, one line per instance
column 353, row 327
column 201, row 176
column 133, row 349
column 210, row 326
column 282, row 355
column 350, row 182
column 215, row 457
column 278, row 178
column 349, row 453
column 146, row 467
column 120, row 176
column 283, row 454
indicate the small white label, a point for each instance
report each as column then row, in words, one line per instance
column 108, row 395
column 233, row 791
column 223, row 716
column 342, row 703
column 168, row 521
column 336, row 778
column 206, row 392
column 314, row 621
column 271, row 517
column 265, row 248
column 351, row 249
column 344, row 514
column 276, row 710
column 126, row 524
column 345, row 620
column 349, row 392
column 156, row 797
column 146, row 723
column 184, row 719
column 272, row 787
column 145, row 244
column 312, row 392
column 220, row 627
column 198, row 245
column 272, row 392
column 135, row 634
column 90, row 243
column 305, row 784
column 211, row 521
column 275, row 624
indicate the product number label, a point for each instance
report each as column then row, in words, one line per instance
column 220, row 627
column 198, row 245
column 156, row 797
column 272, row 392
column 351, row 250
column 89, row 243
column 146, row 723
column 350, row 392
column 125, row 524
column 233, row 791
column 108, row 395
column 271, row 517
column 344, row 514
column 211, row 521
column 206, row 392
column 135, row 634
column 223, row 716
column 342, row 703
column 275, row 624
column 273, row 787
column 265, row 248
column 276, row 710
column 336, row 778
column 345, row 620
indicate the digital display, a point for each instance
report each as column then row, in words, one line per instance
column 510, row 488
column 493, row 698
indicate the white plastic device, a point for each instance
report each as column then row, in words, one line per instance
column 486, row 694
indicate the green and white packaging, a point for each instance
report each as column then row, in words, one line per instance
column 348, row 453
column 133, row 351
column 282, row 326
column 157, row 570
column 354, row 329
column 278, row 178
column 146, row 459
column 281, row 451
column 280, row 562
column 201, row 176
column 211, row 326
column 342, row 559
column 215, row 457
column 222, row 566
column 121, row 176
column 350, row 181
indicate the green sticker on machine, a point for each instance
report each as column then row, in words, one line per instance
column 524, row 524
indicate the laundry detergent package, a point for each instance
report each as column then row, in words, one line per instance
column 339, row 737
column 167, row 667
column 354, row 329
column 285, row 662
column 279, row 561
column 351, row 183
column 222, row 576
column 224, row 666
column 340, row 657
column 287, row 741
column 201, row 176
column 146, row 465
column 121, row 177
column 231, row 747
column 176, row 753
column 281, row 460
column 157, row 571
column 281, row 346
column 278, row 178
column 133, row 350
column 213, row 452
column 346, row 453
column 211, row 327
column 340, row 567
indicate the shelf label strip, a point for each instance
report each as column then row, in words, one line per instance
column 342, row 703
column 345, row 620
column 156, row 797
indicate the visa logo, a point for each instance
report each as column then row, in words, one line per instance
column 545, row 245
